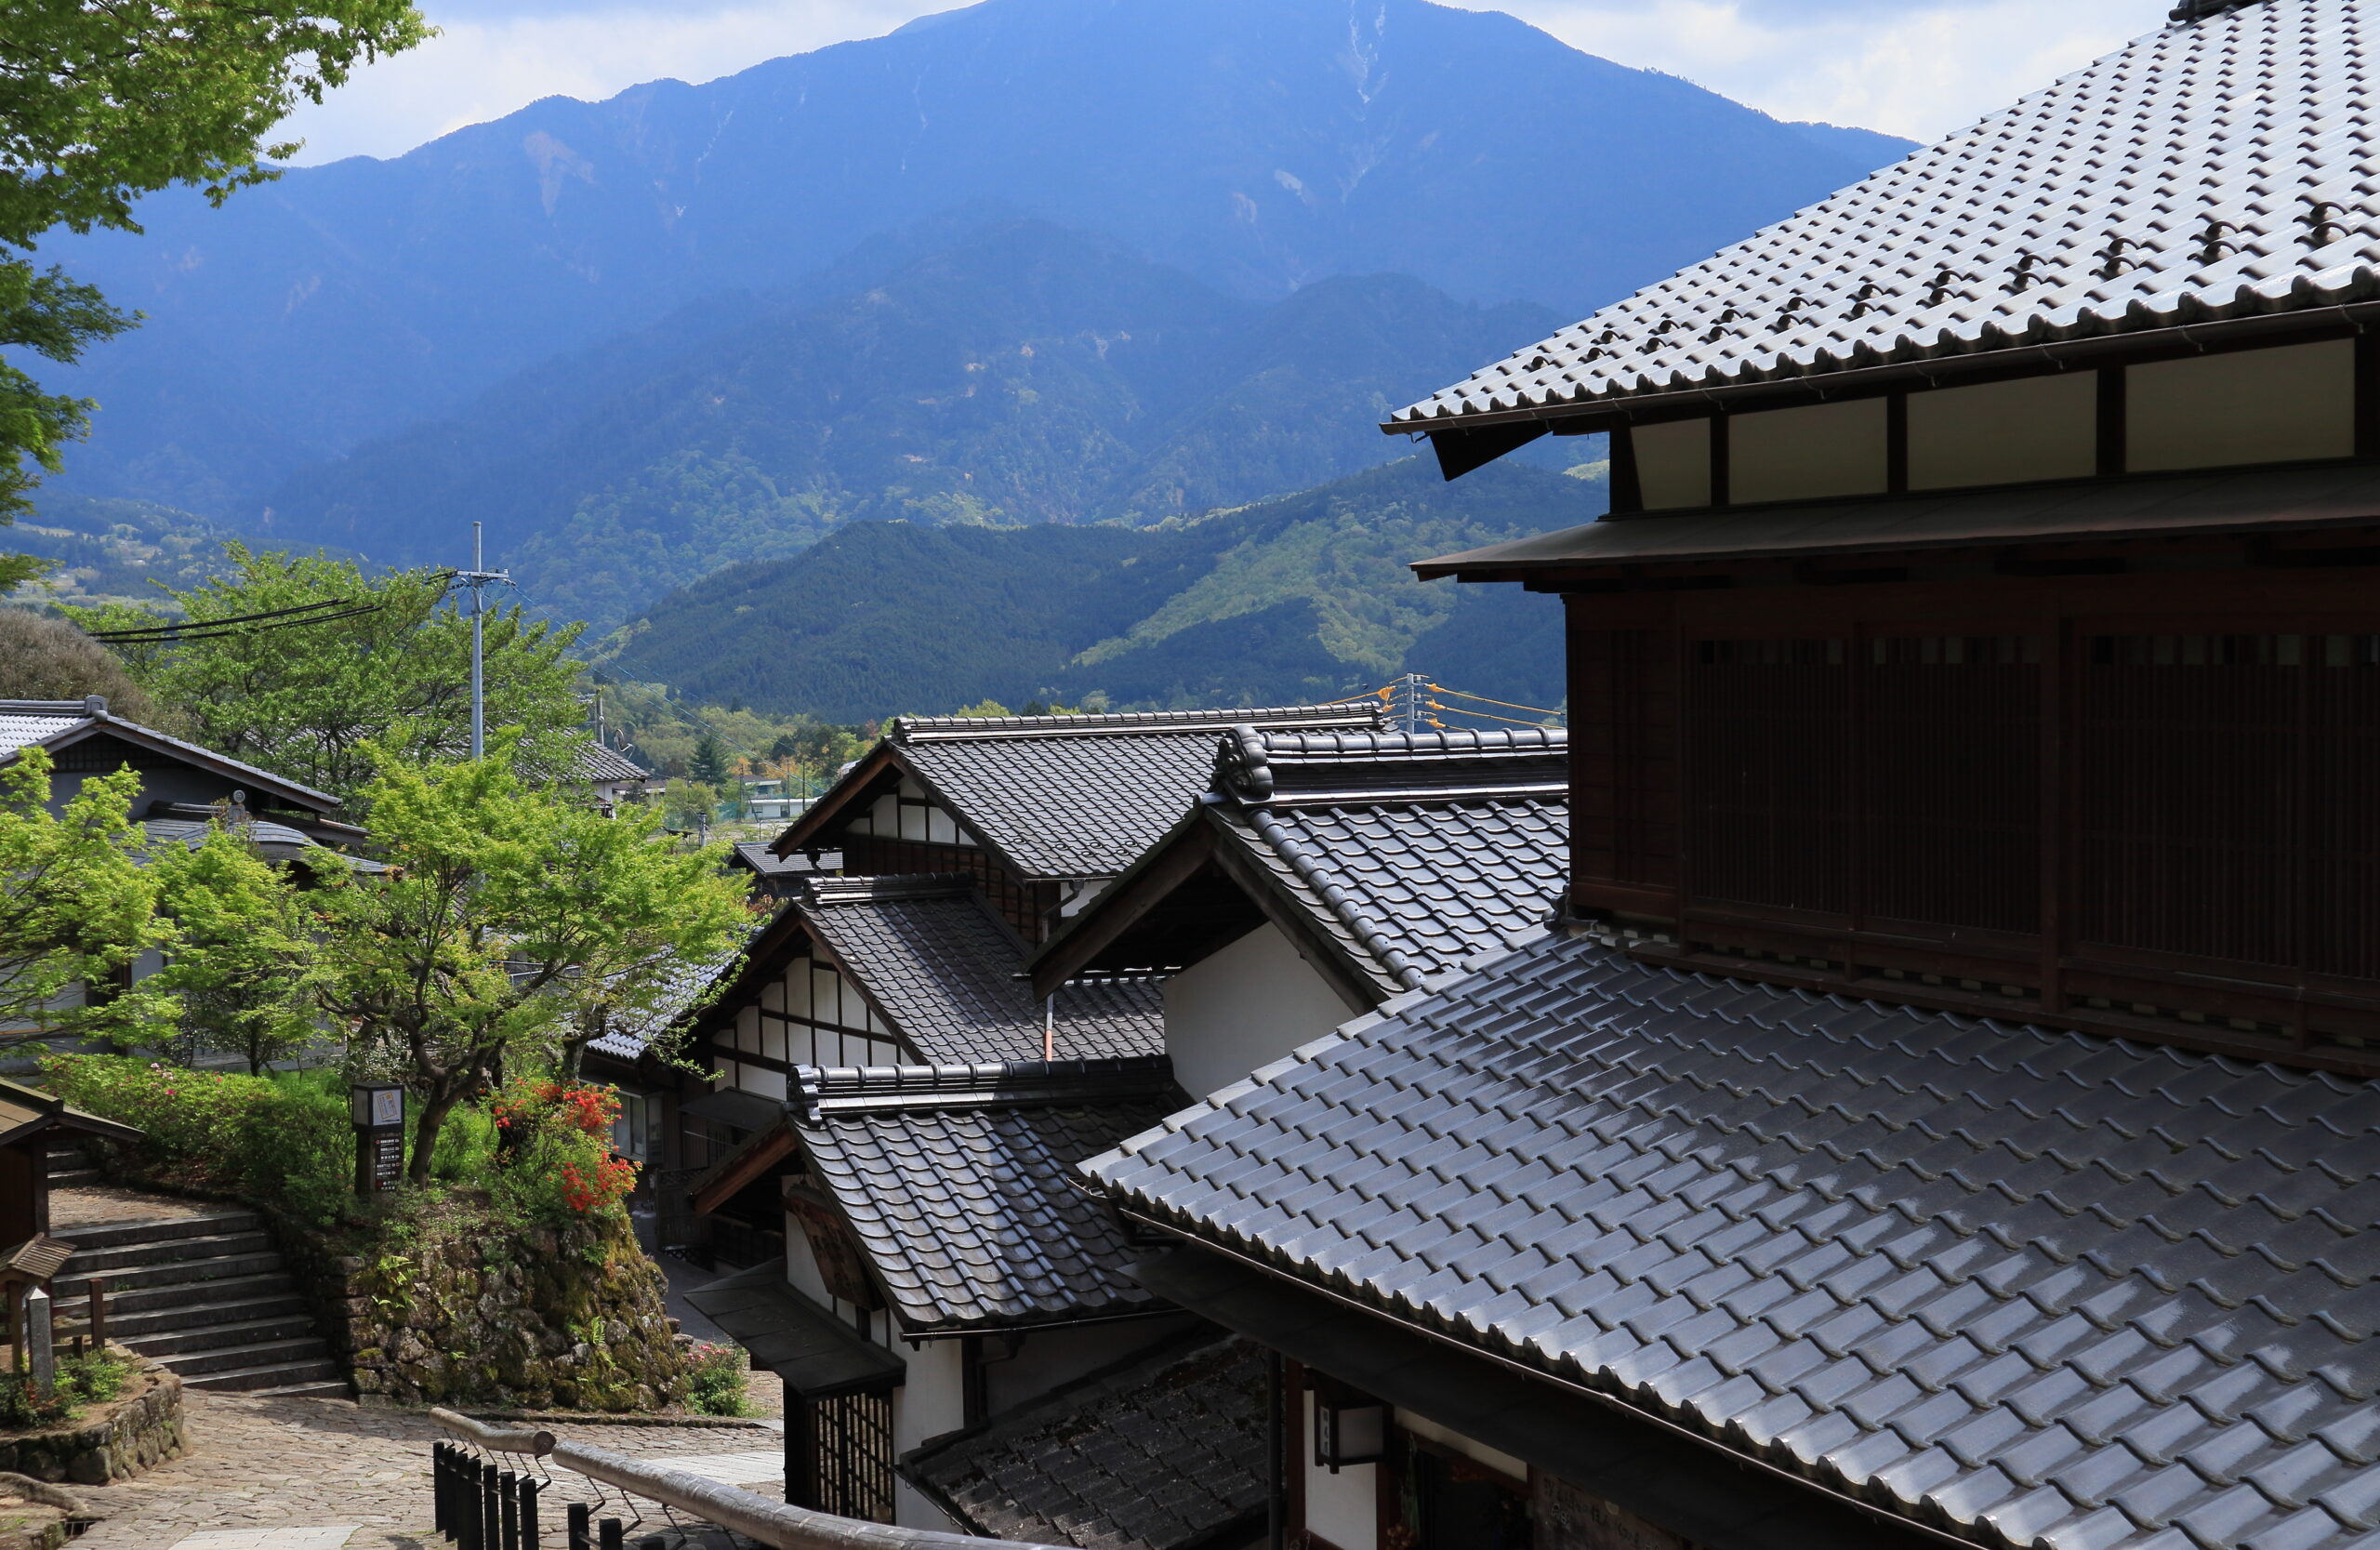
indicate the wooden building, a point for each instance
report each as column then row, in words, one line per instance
column 1946, row 1113
column 1321, row 874
column 1041, row 811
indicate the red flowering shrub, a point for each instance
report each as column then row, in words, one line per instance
column 555, row 1148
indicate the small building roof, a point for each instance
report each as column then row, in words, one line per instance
column 2324, row 501
column 1396, row 855
column 2219, row 169
column 958, row 1184
column 56, row 725
column 25, row 1111
column 818, row 1355
column 1163, row 1451
column 948, row 973
column 2034, row 1288
column 1059, row 797
column 601, row 764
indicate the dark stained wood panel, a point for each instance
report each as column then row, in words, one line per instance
column 1028, row 907
column 1948, row 781
column 1768, row 752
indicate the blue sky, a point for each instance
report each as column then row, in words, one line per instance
column 1913, row 67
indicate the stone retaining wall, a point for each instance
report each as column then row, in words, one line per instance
column 546, row 1318
column 114, row 1442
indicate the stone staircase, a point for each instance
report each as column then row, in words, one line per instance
column 205, row 1295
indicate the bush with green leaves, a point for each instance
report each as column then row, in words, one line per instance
column 715, row 1379
column 90, row 1378
column 283, row 1140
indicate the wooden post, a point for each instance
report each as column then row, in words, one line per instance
column 99, row 1285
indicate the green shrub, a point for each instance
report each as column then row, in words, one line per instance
column 715, row 1379
column 93, row 1378
column 282, row 1139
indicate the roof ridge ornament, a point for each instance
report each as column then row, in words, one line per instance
column 2202, row 10
column 1244, row 767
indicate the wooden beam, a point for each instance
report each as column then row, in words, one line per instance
column 750, row 1164
column 1124, row 906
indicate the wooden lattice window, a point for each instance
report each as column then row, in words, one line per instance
column 1768, row 748
column 844, row 1464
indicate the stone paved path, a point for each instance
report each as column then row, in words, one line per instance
column 265, row 1464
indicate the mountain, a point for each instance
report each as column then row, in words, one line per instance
column 1300, row 598
column 1027, row 375
column 1258, row 145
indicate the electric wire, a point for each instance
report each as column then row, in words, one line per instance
column 1482, row 715
column 1442, row 689
column 235, row 619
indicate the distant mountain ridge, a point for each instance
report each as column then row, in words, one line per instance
column 1024, row 375
column 1307, row 597
column 1258, row 145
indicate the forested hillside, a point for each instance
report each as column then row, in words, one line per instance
column 1258, row 145
column 1026, row 375
column 1301, row 598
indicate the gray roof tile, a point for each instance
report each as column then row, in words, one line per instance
column 944, row 969
column 2061, row 1291
column 967, row 1207
column 1162, row 1452
column 1082, row 796
column 2001, row 234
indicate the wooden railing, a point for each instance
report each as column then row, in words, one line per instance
column 775, row 1524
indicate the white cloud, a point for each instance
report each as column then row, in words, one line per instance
column 1915, row 69
column 495, row 56
column 1918, row 68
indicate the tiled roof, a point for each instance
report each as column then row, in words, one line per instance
column 944, row 969
column 2220, row 168
column 2036, row 1287
column 1414, row 852
column 967, row 1207
column 1082, row 796
column 273, row 841
column 600, row 762
column 1162, row 1453
column 25, row 722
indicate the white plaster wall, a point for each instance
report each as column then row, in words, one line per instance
column 801, row 1265
column 1244, row 1008
column 2244, row 406
column 1343, row 1508
column 1806, row 453
column 934, row 1400
column 1672, row 468
column 2033, row 428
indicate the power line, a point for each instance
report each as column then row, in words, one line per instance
column 198, row 629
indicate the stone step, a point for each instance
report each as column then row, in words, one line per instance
column 257, row 1353
column 186, row 1272
column 133, row 1324
column 96, row 1235
column 67, row 1159
column 270, row 1376
column 109, row 1258
column 76, row 1179
column 321, row 1388
column 128, row 1298
column 239, row 1335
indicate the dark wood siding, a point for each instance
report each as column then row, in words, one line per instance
column 2138, row 803
column 1027, row 906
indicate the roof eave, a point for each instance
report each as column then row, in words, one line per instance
column 1586, row 416
column 217, row 763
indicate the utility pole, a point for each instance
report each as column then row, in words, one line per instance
column 478, row 578
column 1414, row 684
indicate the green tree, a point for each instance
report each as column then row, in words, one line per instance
column 76, row 907
column 709, row 763
column 511, row 924
column 104, row 101
column 242, row 963
column 305, row 700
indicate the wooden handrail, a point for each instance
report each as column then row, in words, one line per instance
column 496, row 1440
column 775, row 1524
